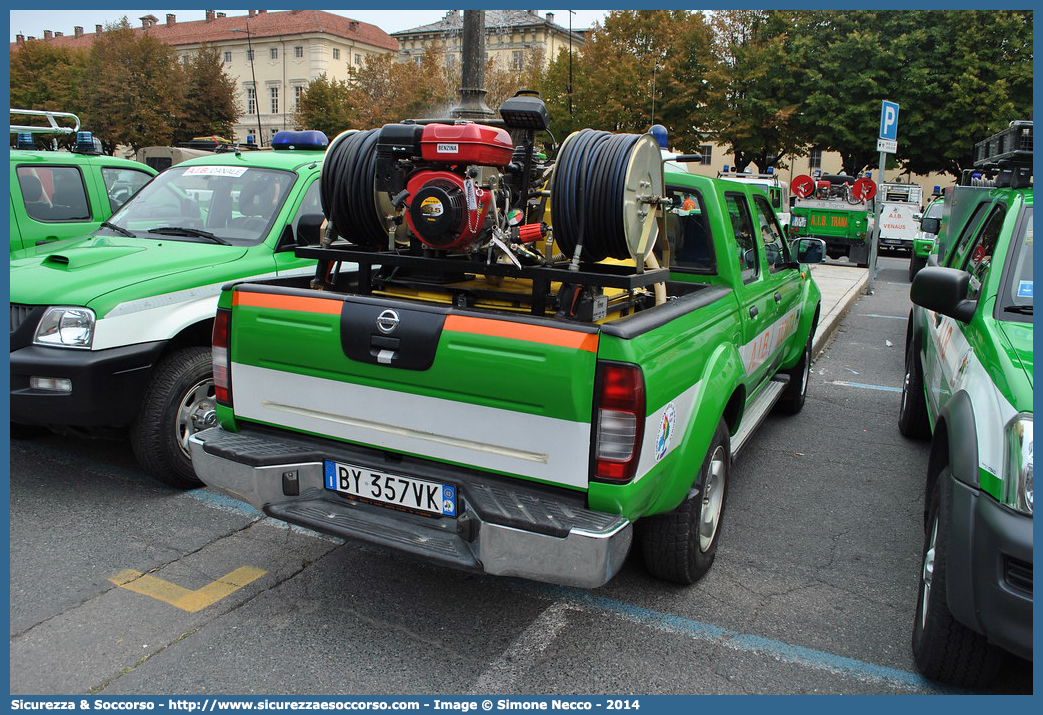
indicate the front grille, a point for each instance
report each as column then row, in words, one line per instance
column 1019, row 575
column 19, row 313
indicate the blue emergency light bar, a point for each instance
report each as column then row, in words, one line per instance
column 310, row 140
column 25, row 141
column 87, row 144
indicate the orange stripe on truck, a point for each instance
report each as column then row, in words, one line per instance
column 523, row 331
column 288, row 302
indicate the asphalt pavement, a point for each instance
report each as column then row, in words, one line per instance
column 841, row 284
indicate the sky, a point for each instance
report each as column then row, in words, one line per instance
column 34, row 22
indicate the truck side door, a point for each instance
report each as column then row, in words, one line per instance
column 55, row 203
column 757, row 307
column 780, row 275
column 946, row 346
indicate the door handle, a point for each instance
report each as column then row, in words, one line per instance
column 778, row 297
column 753, row 311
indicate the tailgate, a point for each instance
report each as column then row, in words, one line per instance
column 511, row 395
column 835, row 225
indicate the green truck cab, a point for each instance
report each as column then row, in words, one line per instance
column 968, row 387
column 57, row 195
column 499, row 396
column 112, row 330
column 835, row 208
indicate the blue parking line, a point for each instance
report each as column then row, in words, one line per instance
column 845, row 383
column 746, row 642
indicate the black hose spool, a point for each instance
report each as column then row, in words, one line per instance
column 347, row 189
column 593, row 192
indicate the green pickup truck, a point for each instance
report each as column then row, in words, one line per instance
column 64, row 194
column 968, row 387
column 507, row 406
column 112, row 330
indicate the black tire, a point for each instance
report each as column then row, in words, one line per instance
column 792, row 400
column 913, row 421
column 179, row 402
column 678, row 546
column 944, row 649
column 915, row 264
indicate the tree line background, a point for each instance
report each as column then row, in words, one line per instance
column 766, row 84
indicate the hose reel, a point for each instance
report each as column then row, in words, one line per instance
column 606, row 190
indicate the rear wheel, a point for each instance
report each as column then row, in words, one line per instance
column 792, row 400
column 944, row 649
column 680, row 545
column 179, row 402
column 913, row 421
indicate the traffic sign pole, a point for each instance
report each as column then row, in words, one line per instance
column 887, row 142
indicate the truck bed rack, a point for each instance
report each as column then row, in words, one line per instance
column 446, row 272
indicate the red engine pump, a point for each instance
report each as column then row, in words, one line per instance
column 445, row 208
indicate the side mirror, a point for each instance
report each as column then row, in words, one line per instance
column 930, row 225
column 943, row 290
column 309, row 229
column 810, row 250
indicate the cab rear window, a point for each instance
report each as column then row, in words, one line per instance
column 54, row 193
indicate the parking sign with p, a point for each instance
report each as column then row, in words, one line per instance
column 889, row 120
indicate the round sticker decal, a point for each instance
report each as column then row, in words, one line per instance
column 666, row 431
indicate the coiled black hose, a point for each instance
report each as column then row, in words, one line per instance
column 587, row 194
column 347, row 190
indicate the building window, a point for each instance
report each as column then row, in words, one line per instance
column 273, row 53
column 815, row 159
column 358, row 59
column 249, row 55
column 273, row 93
column 706, row 152
column 228, row 58
column 298, row 92
column 298, row 51
column 251, row 100
column 336, row 53
column 516, row 60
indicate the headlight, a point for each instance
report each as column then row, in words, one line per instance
column 1018, row 475
column 65, row 326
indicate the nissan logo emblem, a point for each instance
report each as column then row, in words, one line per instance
column 387, row 321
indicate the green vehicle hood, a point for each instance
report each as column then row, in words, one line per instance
column 93, row 267
column 1018, row 337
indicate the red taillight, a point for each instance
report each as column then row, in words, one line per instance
column 220, row 355
column 620, row 415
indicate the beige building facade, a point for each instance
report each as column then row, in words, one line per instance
column 511, row 37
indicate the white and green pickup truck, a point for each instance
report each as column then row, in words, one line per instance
column 477, row 397
column 968, row 387
column 112, row 330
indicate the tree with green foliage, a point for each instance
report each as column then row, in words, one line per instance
column 641, row 67
column 210, row 107
column 753, row 93
column 966, row 74
column 136, row 93
column 325, row 107
column 45, row 76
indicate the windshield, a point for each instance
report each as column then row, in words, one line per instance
column 1015, row 299
column 934, row 210
column 208, row 204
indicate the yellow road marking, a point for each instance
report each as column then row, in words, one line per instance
column 181, row 597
